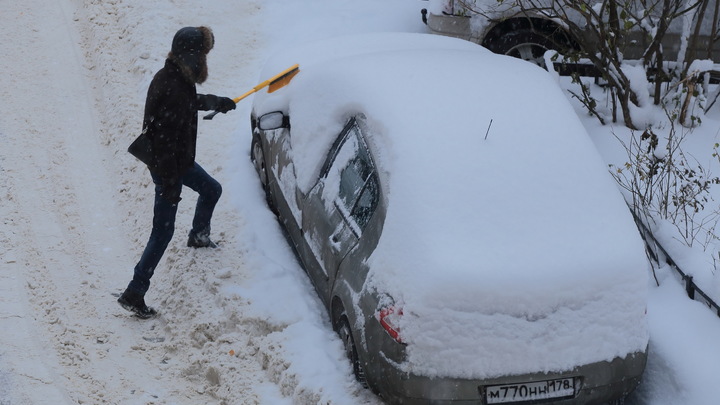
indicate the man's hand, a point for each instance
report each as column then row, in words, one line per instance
column 225, row 104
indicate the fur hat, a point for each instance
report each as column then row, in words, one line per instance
column 190, row 47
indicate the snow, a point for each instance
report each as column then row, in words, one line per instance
column 240, row 324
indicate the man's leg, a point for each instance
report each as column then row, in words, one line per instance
column 209, row 191
column 133, row 299
column 161, row 235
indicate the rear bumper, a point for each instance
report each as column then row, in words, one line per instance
column 597, row 383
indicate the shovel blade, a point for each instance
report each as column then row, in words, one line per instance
column 283, row 80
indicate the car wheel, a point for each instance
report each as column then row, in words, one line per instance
column 525, row 44
column 342, row 327
column 258, row 159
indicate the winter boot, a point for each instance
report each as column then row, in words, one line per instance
column 200, row 240
column 135, row 303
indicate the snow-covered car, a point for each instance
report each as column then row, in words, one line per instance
column 468, row 243
column 503, row 27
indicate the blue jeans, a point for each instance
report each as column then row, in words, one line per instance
column 209, row 191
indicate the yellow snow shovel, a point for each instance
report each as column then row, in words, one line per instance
column 276, row 82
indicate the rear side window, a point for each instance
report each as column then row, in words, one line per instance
column 356, row 191
column 366, row 202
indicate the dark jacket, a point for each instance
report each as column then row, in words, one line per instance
column 170, row 121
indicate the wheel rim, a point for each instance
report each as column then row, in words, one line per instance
column 530, row 52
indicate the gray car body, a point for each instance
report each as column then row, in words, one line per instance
column 333, row 250
column 339, row 276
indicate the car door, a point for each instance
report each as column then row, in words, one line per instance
column 275, row 130
column 339, row 205
column 283, row 170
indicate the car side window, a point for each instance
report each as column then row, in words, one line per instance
column 357, row 188
column 366, row 202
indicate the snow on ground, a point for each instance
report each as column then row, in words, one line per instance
column 239, row 325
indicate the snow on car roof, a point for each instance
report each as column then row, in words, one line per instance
column 496, row 195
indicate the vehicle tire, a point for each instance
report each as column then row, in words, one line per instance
column 342, row 327
column 258, row 159
column 525, row 44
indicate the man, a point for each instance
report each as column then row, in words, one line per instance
column 170, row 126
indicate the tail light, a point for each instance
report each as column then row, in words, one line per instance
column 389, row 318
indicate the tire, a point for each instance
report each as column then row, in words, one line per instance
column 525, row 44
column 258, row 159
column 342, row 327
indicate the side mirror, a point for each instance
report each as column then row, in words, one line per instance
column 273, row 120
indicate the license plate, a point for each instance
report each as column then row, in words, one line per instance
column 530, row 391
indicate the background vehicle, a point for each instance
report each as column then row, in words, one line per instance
column 468, row 245
column 505, row 28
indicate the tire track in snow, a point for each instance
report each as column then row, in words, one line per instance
column 66, row 239
column 46, row 241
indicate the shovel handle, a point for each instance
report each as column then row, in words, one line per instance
column 280, row 80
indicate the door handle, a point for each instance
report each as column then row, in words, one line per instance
column 335, row 242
